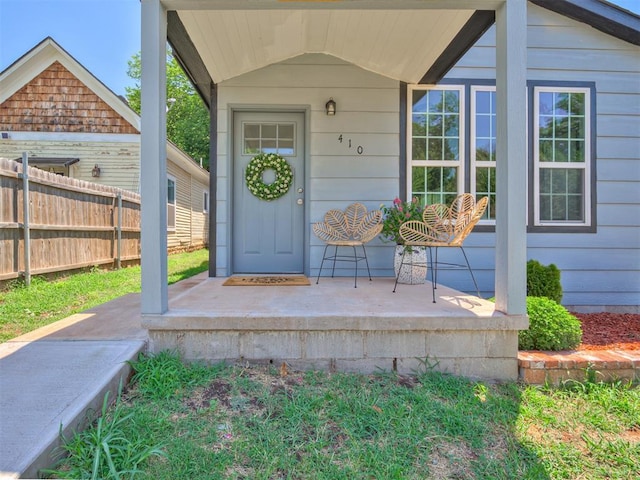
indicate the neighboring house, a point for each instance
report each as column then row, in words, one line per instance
column 70, row 123
column 416, row 115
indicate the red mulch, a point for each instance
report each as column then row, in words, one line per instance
column 609, row 331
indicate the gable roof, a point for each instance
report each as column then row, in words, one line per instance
column 48, row 56
column 599, row 14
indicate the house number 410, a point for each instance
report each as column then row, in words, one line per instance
column 359, row 148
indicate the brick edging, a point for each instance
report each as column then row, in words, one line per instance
column 538, row 367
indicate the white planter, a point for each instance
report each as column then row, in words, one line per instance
column 414, row 269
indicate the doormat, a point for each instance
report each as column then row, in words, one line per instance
column 267, row 281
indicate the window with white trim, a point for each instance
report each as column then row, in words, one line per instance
column 483, row 147
column 171, row 203
column 445, row 158
column 436, row 143
column 562, row 156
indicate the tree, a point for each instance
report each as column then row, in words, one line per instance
column 187, row 116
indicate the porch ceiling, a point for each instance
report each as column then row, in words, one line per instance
column 397, row 44
column 400, row 39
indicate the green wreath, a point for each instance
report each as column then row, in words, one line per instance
column 256, row 169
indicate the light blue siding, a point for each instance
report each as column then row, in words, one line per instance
column 338, row 172
column 602, row 269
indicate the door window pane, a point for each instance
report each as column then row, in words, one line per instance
column 268, row 138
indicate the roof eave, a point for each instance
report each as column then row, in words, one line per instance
column 603, row 16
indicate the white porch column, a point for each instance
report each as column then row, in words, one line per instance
column 511, row 171
column 153, row 158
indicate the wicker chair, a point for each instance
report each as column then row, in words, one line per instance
column 353, row 228
column 444, row 226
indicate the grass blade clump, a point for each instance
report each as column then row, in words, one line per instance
column 110, row 448
column 163, row 375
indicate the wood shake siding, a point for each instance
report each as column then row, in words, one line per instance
column 56, row 101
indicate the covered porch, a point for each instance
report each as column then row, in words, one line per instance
column 254, row 56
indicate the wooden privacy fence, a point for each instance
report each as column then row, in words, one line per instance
column 50, row 223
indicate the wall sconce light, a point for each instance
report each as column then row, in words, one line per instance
column 95, row 172
column 330, row 107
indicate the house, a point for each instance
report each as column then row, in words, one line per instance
column 534, row 104
column 580, row 167
column 71, row 124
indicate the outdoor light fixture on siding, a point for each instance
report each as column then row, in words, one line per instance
column 330, row 107
column 95, row 172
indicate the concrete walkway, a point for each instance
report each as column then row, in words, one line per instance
column 51, row 377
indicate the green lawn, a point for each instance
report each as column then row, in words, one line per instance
column 231, row 422
column 24, row 309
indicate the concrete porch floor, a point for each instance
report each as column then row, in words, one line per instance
column 334, row 326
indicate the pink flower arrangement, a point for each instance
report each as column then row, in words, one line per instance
column 395, row 215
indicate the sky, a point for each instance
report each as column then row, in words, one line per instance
column 102, row 35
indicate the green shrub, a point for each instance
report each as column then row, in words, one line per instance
column 543, row 281
column 551, row 327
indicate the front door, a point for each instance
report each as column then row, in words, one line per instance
column 268, row 235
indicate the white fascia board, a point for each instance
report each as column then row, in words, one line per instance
column 184, row 161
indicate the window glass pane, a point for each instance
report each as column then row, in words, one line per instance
column 483, row 102
column 419, row 149
column 435, row 101
column 435, row 149
column 269, row 131
column 575, row 212
column 285, row 131
column 545, row 180
column 545, row 102
column 546, row 150
column 558, row 181
column 419, row 181
column 484, row 150
column 577, row 151
column 251, row 146
column 561, row 104
column 451, row 149
column 546, row 127
column 419, row 101
column 171, row 191
column 577, row 128
column 451, row 128
column 558, row 207
column 545, row 208
column 486, row 187
column 251, row 130
column 561, row 151
column 436, row 126
column 452, row 101
column 483, row 126
column 419, row 125
column 575, row 181
column 285, row 147
column 577, row 104
column 269, row 146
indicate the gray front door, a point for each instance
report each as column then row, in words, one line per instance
column 268, row 236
